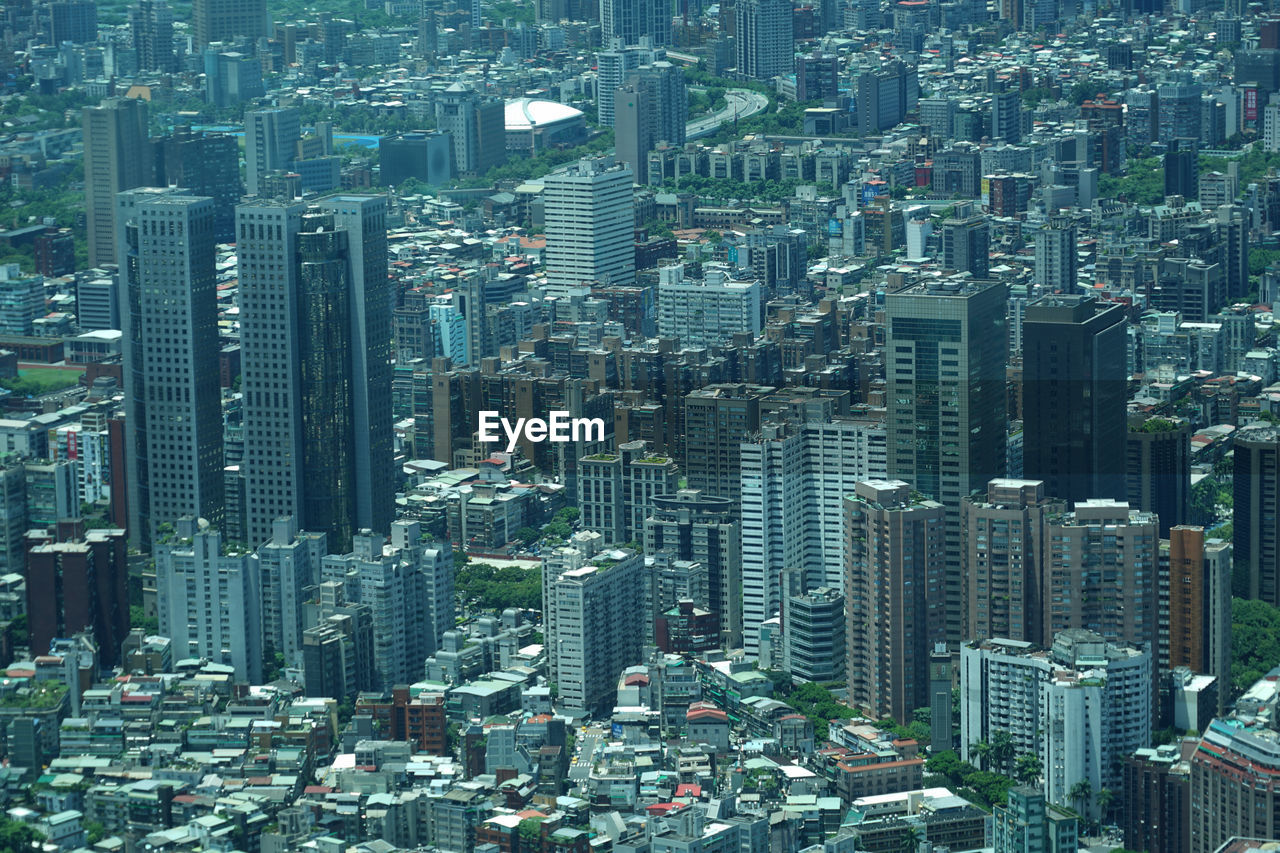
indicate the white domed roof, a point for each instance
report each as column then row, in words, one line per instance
column 528, row 113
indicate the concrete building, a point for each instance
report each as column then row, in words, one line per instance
column 317, row 413
column 208, row 599
column 1158, row 469
column 813, row 630
column 1004, row 544
column 174, row 426
column 893, row 563
column 590, row 220
column 1157, row 798
column 270, row 141
column 629, row 21
column 1195, row 604
column 616, row 491
column 763, row 39
column 717, row 419
column 1073, row 396
column 1056, row 261
column 1028, row 824
column 708, row 312
column 289, row 566
column 966, row 244
column 116, row 158
column 21, row 300
column 477, row 125
column 423, row 155
column 223, row 20
column 949, row 336
column 1256, row 514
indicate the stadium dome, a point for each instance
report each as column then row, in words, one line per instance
column 529, row 113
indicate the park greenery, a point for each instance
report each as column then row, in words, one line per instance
column 1255, row 643
column 488, row 587
column 34, row 382
column 748, row 192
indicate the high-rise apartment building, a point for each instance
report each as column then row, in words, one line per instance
column 945, row 355
column 893, row 573
column 407, row 584
column 205, row 164
column 151, row 24
column 1195, row 605
column 168, row 290
column 707, row 312
column 207, row 595
column 1099, row 573
column 616, row 491
column 223, row 20
column 1056, row 262
column 1006, row 115
column 966, row 244
column 764, row 38
column 1074, row 396
column 289, row 567
column 614, row 66
column 813, row 630
column 1004, row 542
column 1256, row 514
column 1235, row 775
column 116, row 158
column 317, row 412
column 885, row 93
column 1158, row 469
column 78, row 580
column 1081, row 705
column 1157, row 799
column 651, row 106
column 628, row 21
column 270, row 144
column 590, row 221
column 21, row 300
column 75, row 21
column 476, row 124
column 717, row 419
column 693, row 527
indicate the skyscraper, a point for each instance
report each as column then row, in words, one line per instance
column 151, row 23
column 203, row 164
column 631, row 20
column 318, row 442
column 717, row 419
column 945, row 359
column 966, row 242
column 223, row 20
column 1197, row 605
column 115, row 159
column 1158, row 469
column 174, row 416
column 289, row 567
column 270, row 143
column 476, row 124
column 590, row 220
column 764, row 38
column 893, row 574
column 613, row 67
column 1006, row 115
column 1056, row 262
column 1256, row 514
column 654, row 108
column 1181, row 166
column 1073, row 396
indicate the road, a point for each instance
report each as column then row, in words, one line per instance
column 587, row 745
column 742, row 102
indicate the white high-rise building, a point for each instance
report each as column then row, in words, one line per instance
column 208, row 598
column 708, row 312
column 1080, row 706
column 1056, row 262
column 629, row 21
column 794, row 481
column 613, row 66
column 168, row 289
column 765, row 44
column 590, row 223
column 270, row 143
column 407, row 584
column 289, row 565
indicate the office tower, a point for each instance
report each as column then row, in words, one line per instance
column 1004, row 541
column 885, row 94
column 1233, row 230
column 1074, row 396
column 115, row 159
column 423, row 155
column 55, row 252
column 1158, row 469
column 231, row 77
column 764, row 39
column 651, row 106
column 1256, row 514
column 628, row 21
column 407, row 584
column 893, row 577
column 318, row 444
column 270, row 144
column 1180, row 114
column 74, row 21
column 151, row 23
column 966, row 243
column 1006, row 115
column 813, row 631
column 78, row 580
column 694, row 527
column 337, row 651
column 598, row 627
column 1081, row 705
column 1196, row 604
column 223, row 20
column 938, row 114
column 1182, row 168
column 614, row 67
column 289, row 565
column 1027, row 824
column 717, row 419
column 616, row 491
column 590, row 220
column 476, row 123
column 708, row 312
column 207, row 595
column 1056, row 262
column 21, row 300
column 206, row 164
column 168, row 290
column 1157, row 799
column 946, row 348
column 1099, row 573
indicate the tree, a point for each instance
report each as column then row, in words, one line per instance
column 1081, row 793
column 1002, row 751
column 528, row 535
column 16, row 836
column 1107, row 802
column 1255, row 643
column 1028, row 769
column 982, row 751
column 908, row 842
